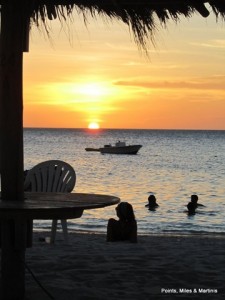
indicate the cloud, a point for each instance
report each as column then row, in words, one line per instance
column 213, row 83
column 211, row 44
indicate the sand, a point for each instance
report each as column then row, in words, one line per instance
column 157, row 267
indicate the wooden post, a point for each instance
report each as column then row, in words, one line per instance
column 11, row 101
column 13, row 18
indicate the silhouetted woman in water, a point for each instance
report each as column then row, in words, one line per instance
column 152, row 205
column 124, row 229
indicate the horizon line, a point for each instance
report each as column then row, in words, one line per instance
column 100, row 129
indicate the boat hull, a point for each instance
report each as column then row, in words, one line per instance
column 131, row 149
column 92, row 149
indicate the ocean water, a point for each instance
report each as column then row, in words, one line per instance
column 172, row 164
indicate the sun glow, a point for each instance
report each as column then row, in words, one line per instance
column 93, row 125
column 92, row 89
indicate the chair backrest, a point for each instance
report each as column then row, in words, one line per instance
column 50, row 176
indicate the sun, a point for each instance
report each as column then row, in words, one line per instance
column 93, row 125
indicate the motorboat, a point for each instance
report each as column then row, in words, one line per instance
column 118, row 148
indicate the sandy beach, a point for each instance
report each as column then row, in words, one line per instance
column 157, row 267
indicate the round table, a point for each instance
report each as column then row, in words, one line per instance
column 53, row 205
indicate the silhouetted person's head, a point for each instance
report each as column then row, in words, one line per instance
column 125, row 211
column 194, row 199
column 152, row 200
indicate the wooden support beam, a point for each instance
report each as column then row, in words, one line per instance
column 13, row 16
column 11, row 100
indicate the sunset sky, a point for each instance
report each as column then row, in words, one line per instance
column 96, row 73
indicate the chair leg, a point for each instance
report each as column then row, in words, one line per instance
column 53, row 232
column 65, row 231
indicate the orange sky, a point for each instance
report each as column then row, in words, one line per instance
column 98, row 74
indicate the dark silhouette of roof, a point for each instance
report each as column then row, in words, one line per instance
column 141, row 16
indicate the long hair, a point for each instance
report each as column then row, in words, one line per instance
column 125, row 212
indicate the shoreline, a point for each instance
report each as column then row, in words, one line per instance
column 157, row 267
column 159, row 234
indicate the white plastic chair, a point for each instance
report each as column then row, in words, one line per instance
column 52, row 176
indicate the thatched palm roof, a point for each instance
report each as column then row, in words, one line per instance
column 140, row 15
